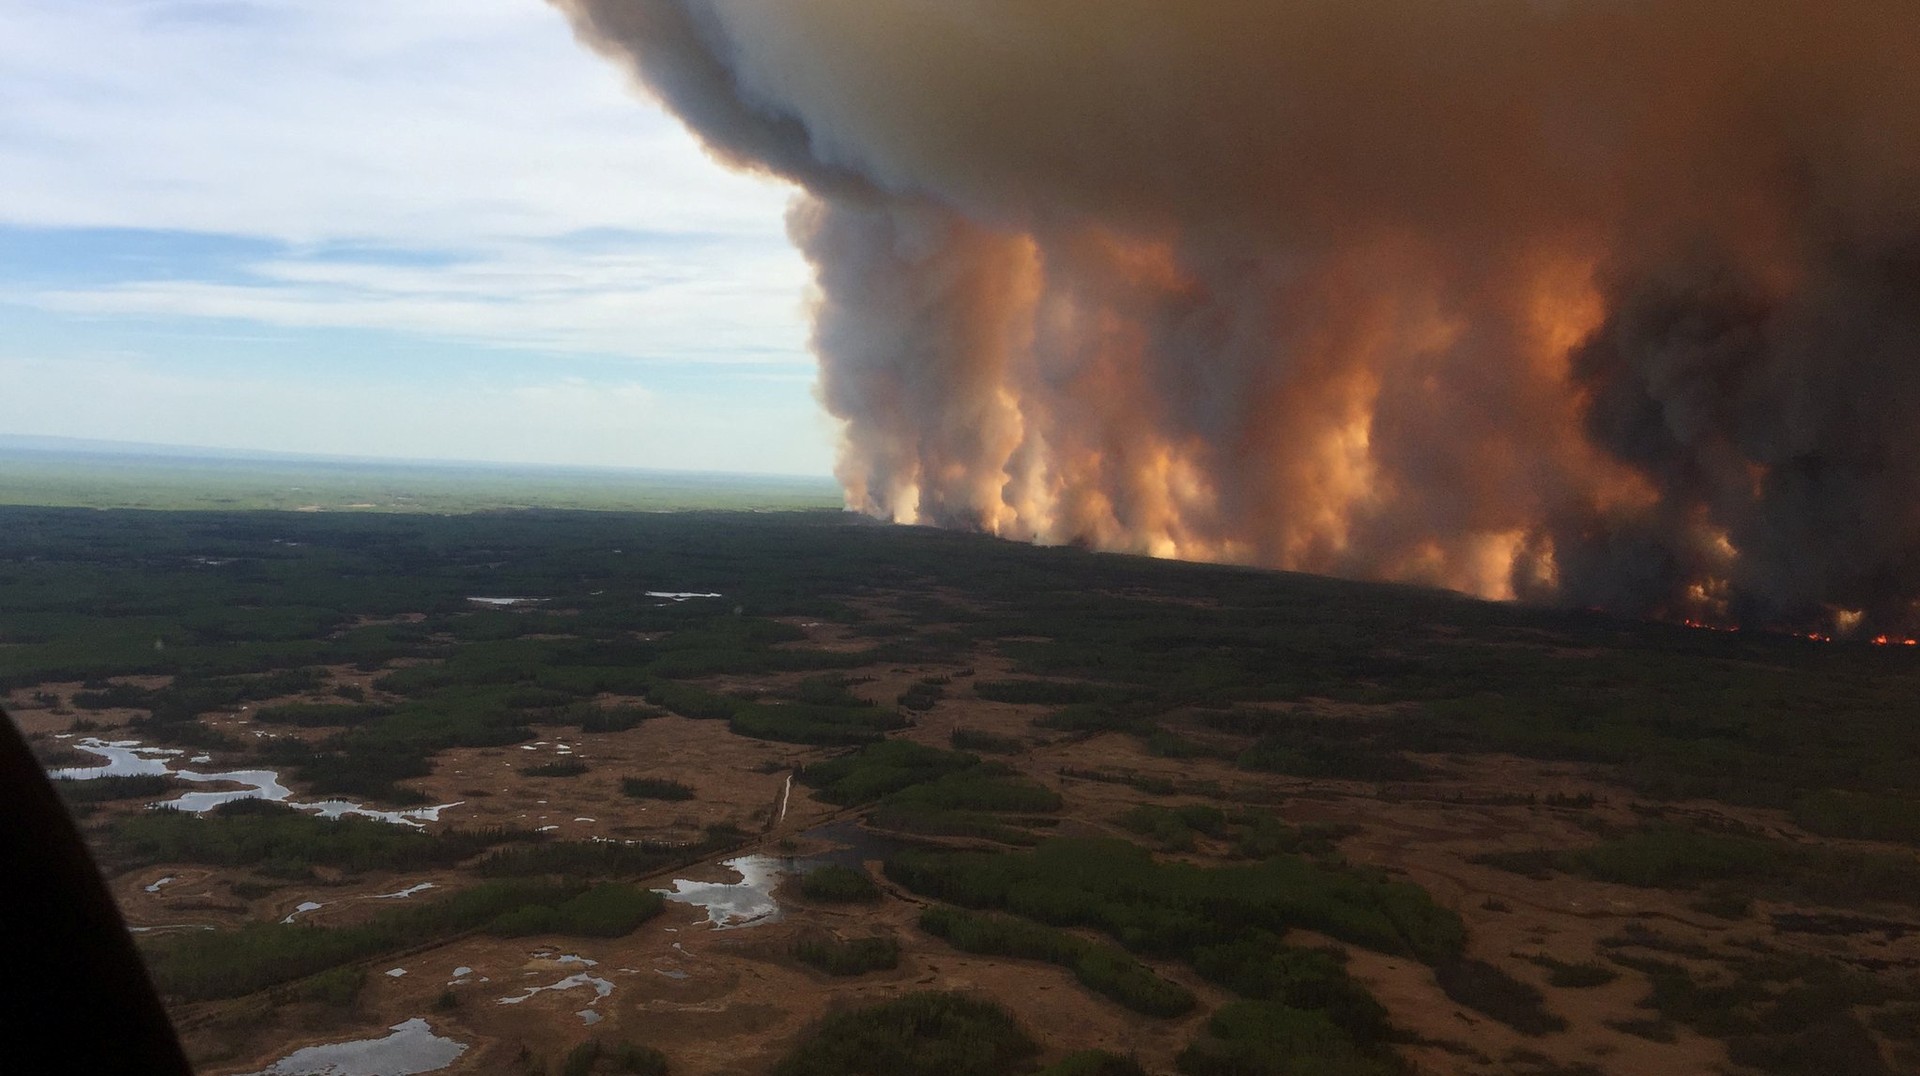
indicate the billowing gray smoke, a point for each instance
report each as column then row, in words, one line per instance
column 1608, row 302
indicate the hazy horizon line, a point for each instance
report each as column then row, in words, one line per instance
column 106, row 447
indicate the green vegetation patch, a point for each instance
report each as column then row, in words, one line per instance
column 338, row 988
column 1574, row 976
column 1674, row 858
column 935, row 822
column 855, row 956
column 930, row 792
column 882, row 769
column 1045, row 692
column 594, row 1056
column 922, row 695
column 320, row 714
column 1175, row 828
column 1265, row 1038
column 986, row 743
column 565, row 767
column 1173, row 908
column 1261, row 966
column 590, row 717
column 603, row 859
column 927, row 1034
column 198, row 966
column 605, row 911
column 106, row 789
column 1860, row 816
column 655, row 788
column 1258, row 835
column 1093, row 1063
column 1790, row 1015
column 834, row 883
column 1101, row 968
column 1486, row 988
column 1330, row 748
column 257, row 833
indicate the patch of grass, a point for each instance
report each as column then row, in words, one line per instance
column 1044, row 692
column 320, row 715
column 986, row 743
column 834, row 883
column 254, row 832
column 1265, row 1038
column 594, row 1056
column 1093, row 1063
column 199, row 966
column 1719, row 1009
column 1101, row 968
column 1838, row 1043
column 1173, row 908
column 930, row 792
column 1860, row 815
column 106, row 789
column 1900, row 1023
column 927, row 1034
column 921, row 696
column 1574, row 976
column 1487, row 989
column 565, row 767
column 605, row 911
column 1332, row 748
column 1651, row 1030
column 655, row 788
column 594, row 718
column 1722, row 902
column 601, row 859
column 882, row 769
column 1174, row 828
column 856, row 956
column 337, row 988
column 937, row 822
column 986, row 787
column 1260, row 965
column 1736, row 865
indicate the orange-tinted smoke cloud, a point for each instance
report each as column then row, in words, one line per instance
column 1610, row 302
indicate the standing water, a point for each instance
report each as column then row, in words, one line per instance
column 412, row 1048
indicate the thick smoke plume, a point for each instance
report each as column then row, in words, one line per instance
column 1606, row 302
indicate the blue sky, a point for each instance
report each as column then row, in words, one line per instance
column 428, row 229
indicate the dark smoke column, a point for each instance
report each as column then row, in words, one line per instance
column 1604, row 302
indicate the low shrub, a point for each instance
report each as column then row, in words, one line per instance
column 655, row 788
column 927, row 1034
column 1487, row 989
column 834, row 883
column 857, row 956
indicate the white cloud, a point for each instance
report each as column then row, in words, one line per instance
column 503, row 189
column 424, row 122
column 729, row 305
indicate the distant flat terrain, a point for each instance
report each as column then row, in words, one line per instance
column 745, row 791
column 51, row 472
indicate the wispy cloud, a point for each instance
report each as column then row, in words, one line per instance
column 716, row 302
column 429, row 122
column 214, row 186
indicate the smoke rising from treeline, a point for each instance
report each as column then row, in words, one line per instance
column 1604, row 302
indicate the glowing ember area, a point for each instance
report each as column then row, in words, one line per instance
column 1612, row 303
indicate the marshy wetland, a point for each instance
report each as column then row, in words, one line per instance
column 779, row 792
